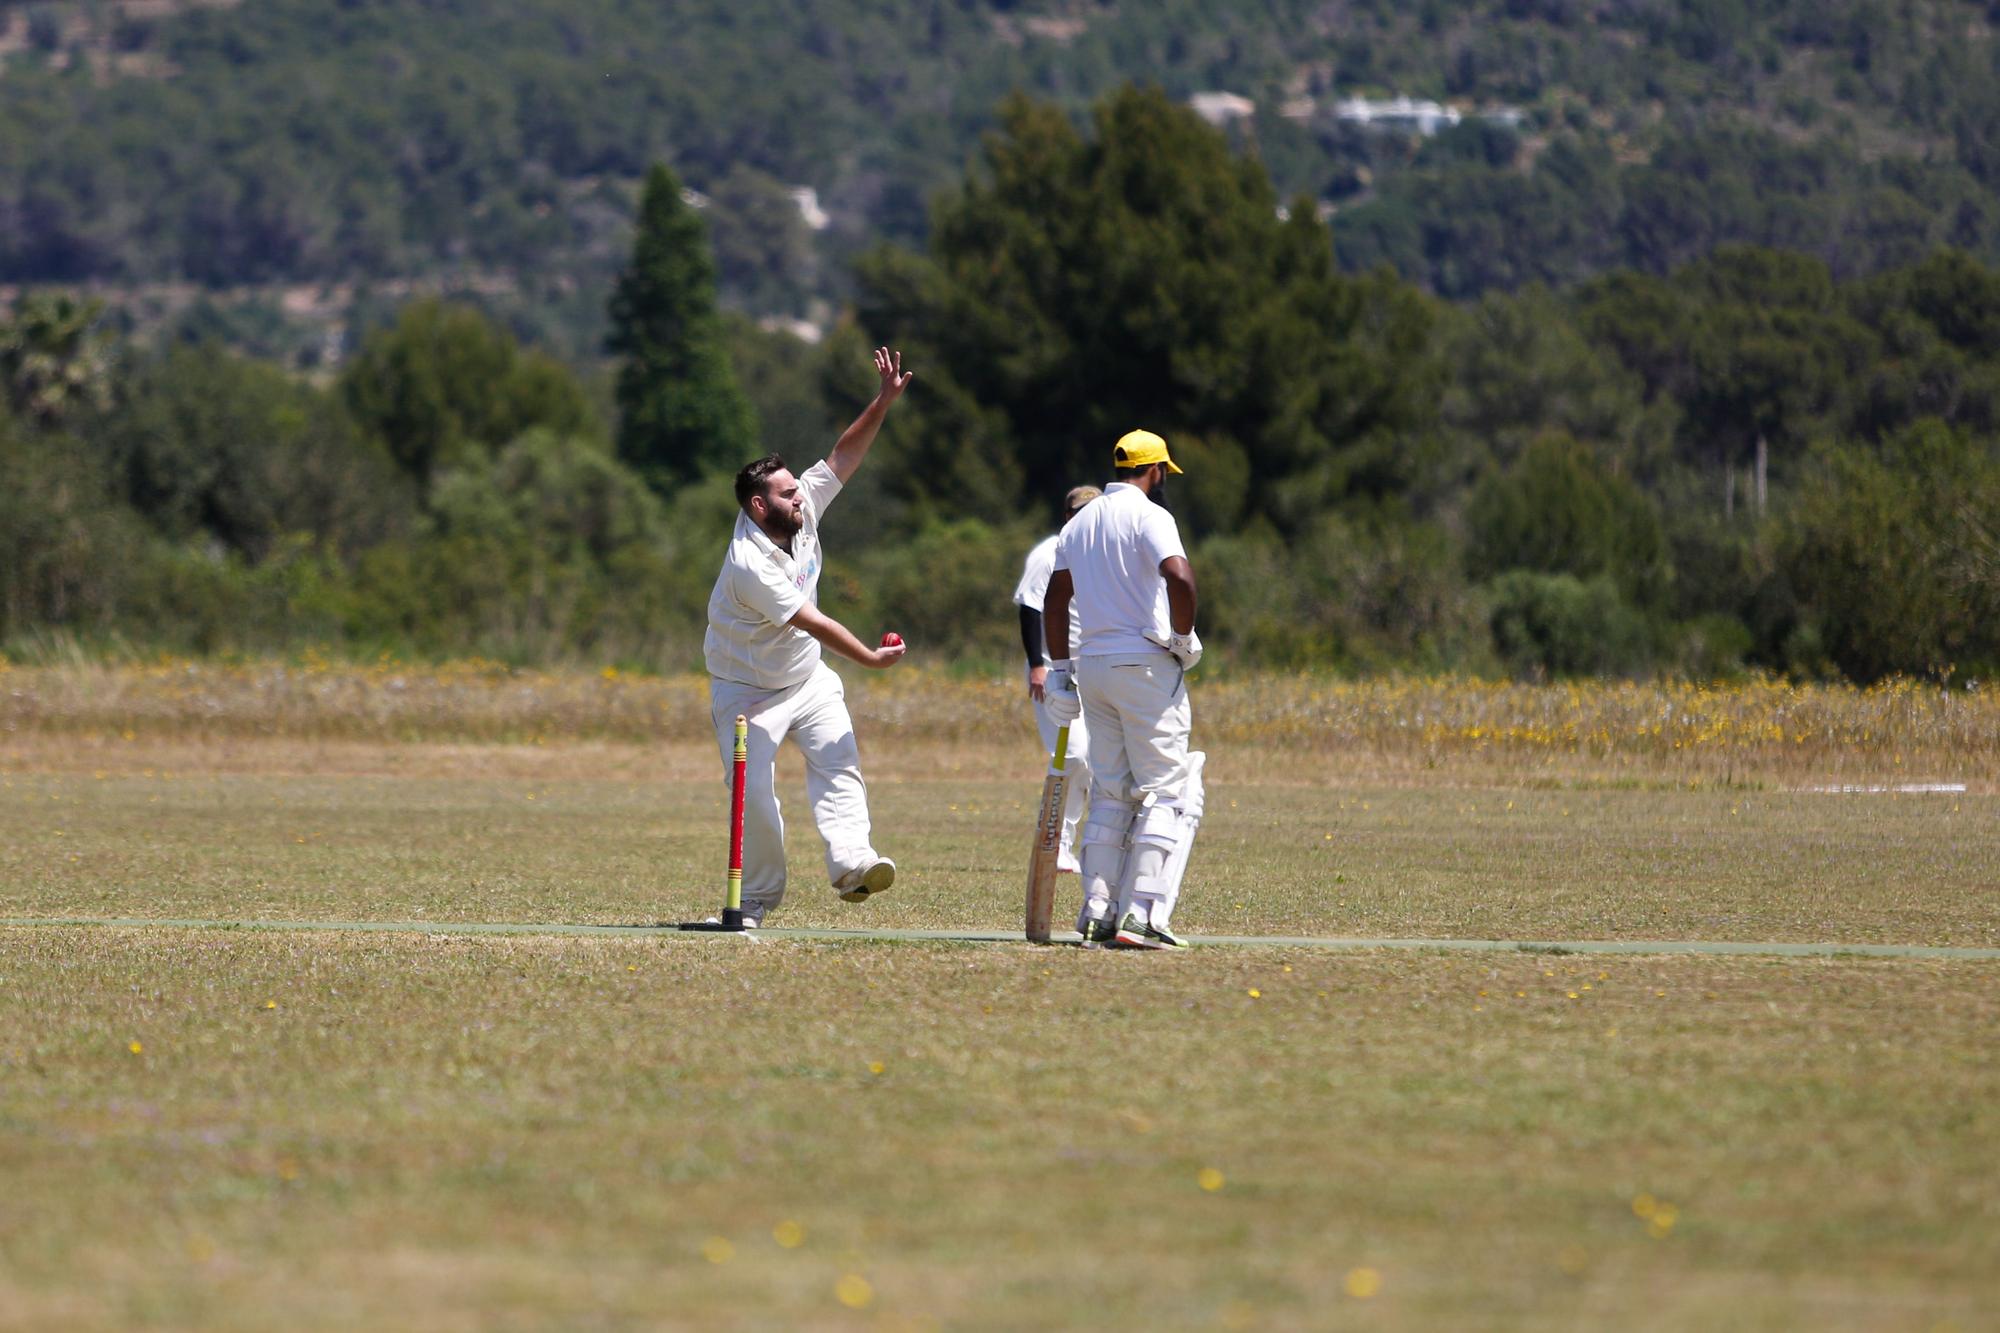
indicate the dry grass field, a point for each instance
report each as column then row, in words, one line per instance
column 239, row 1129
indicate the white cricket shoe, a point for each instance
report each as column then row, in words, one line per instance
column 860, row 884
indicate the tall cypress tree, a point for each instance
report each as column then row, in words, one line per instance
column 680, row 411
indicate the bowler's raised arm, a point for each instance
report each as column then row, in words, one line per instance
column 853, row 444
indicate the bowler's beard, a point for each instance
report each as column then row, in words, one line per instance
column 781, row 525
column 1159, row 493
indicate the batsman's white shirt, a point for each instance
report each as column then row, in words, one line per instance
column 1031, row 592
column 1113, row 550
column 761, row 587
column 1033, row 588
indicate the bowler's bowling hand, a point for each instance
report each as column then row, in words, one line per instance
column 1059, row 695
column 892, row 648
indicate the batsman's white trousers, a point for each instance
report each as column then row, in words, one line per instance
column 1136, row 705
column 814, row 714
column 1077, row 765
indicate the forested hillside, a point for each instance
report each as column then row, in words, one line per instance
column 346, row 152
column 1747, row 461
column 1670, row 344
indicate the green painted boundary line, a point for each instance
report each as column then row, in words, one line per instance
column 1347, row 944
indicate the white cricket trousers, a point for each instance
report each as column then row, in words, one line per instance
column 1139, row 716
column 813, row 713
column 1077, row 765
column 1136, row 705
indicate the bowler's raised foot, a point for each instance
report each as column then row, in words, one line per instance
column 857, row 886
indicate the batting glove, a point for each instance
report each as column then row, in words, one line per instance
column 1059, row 695
column 1186, row 649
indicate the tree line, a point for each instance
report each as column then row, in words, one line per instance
column 1746, row 462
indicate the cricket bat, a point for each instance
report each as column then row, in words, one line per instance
column 1048, row 842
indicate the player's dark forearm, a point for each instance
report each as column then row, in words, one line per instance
column 1180, row 594
column 1055, row 625
column 1055, row 611
column 1031, row 636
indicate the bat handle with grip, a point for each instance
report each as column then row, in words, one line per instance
column 1060, row 755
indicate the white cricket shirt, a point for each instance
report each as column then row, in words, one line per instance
column 762, row 586
column 1113, row 550
column 1034, row 586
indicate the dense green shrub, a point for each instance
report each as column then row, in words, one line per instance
column 68, row 549
column 1894, row 556
column 1560, row 625
column 207, row 444
column 445, row 383
column 1560, row 511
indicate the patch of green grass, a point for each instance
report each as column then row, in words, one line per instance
column 1347, row 856
column 326, row 1131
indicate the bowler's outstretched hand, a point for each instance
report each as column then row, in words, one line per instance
column 889, row 366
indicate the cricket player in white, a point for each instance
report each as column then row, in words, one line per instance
column 765, row 635
column 1028, row 596
column 1122, row 563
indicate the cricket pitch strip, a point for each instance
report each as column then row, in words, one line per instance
column 1346, row 944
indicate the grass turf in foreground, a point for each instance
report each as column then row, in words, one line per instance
column 232, row 1131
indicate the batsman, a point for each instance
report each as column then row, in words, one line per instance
column 765, row 635
column 1031, row 595
column 1121, row 564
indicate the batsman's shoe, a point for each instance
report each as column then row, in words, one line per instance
column 1096, row 934
column 1096, row 923
column 858, row 886
column 1136, row 934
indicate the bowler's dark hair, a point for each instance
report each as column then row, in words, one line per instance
column 1127, row 473
column 755, row 479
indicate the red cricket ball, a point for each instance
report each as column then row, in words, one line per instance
column 892, row 640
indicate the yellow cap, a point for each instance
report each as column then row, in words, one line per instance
column 1141, row 448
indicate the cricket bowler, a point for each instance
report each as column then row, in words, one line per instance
column 765, row 637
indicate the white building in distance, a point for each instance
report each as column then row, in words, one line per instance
column 1397, row 113
column 807, row 199
column 1221, row 108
